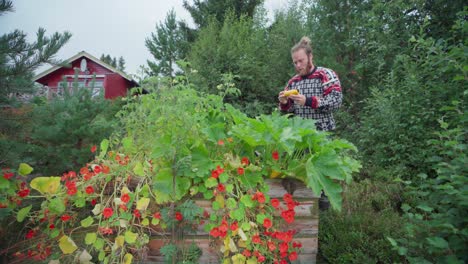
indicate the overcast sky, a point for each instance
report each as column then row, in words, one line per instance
column 115, row 27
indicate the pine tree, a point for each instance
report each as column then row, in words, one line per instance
column 19, row 59
column 167, row 45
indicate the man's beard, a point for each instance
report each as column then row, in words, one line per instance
column 305, row 71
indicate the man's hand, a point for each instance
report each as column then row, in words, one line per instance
column 282, row 99
column 299, row 99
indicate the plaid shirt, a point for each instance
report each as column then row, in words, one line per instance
column 320, row 83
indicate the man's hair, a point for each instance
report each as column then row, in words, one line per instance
column 304, row 44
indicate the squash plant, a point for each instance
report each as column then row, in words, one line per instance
column 176, row 145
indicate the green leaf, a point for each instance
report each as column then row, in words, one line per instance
column 90, row 238
column 80, row 202
column 223, row 178
column 425, row 208
column 145, row 191
column 4, row 183
column 99, row 243
column 127, row 143
column 87, row 221
column 237, row 214
column 260, row 218
column 211, row 182
column 57, row 206
column 245, row 226
column 215, row 205
column 145, row 222
column 231, row 203
column 130, row 237
column 54, row 233
column 102, row 255
column 138, row 169
column 23, row 213
column 247, row 201
column 104, row 147
column 438, row 242
column 24, row 169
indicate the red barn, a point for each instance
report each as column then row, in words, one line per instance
column 113, row 82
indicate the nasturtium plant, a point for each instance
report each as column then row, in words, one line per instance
column 177, row 145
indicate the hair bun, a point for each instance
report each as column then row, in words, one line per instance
column 305, row 40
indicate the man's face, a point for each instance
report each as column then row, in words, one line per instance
column 302, row 62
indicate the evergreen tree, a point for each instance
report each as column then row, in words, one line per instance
column 112, row 61
column 202, row 10
column 66, row 127
column 167, row 45
column 19, row 59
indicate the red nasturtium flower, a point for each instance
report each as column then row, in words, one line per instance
column 234, row 226
column 24, row 192
column 179, row 216
column 256, row 239
column 293, row 256
column 136, row 213
column 97, row 169
column 221, row 187
column 93, row 202
column 259, row 196
column 240, row 171
column 65, row 217
column 214, row 232
column 30, row 234
column 220, row 142
column 283, row 247
column 247, row 253
column 157, row 215
column 105, row 169
column 8, row 175
column 288, row 216
column 125, row 198
column 267, row 223
column 275, row 155
column 271, row 245
column 245, row 161
column 275, row 203
column 89, row 189
column 107, row 212
column 93, row 148
column 51, row 226
column 215, row 173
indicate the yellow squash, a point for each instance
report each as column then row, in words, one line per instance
column 291, row 92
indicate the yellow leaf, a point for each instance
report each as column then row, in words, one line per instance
column 67, row 245
column 232, row 246
column 128, row 258
column 125, row 190
column 220, row 199
column 275, row 174
column 252, row 261
column 143, row 203
column 46, row 184
column 238, row 259
column 119, row 241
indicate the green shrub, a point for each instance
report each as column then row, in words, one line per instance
column 358, row 233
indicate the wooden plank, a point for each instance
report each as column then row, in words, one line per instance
column 277, row 188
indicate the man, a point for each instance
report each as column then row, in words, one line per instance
column 319, row 89
column 319, row 93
